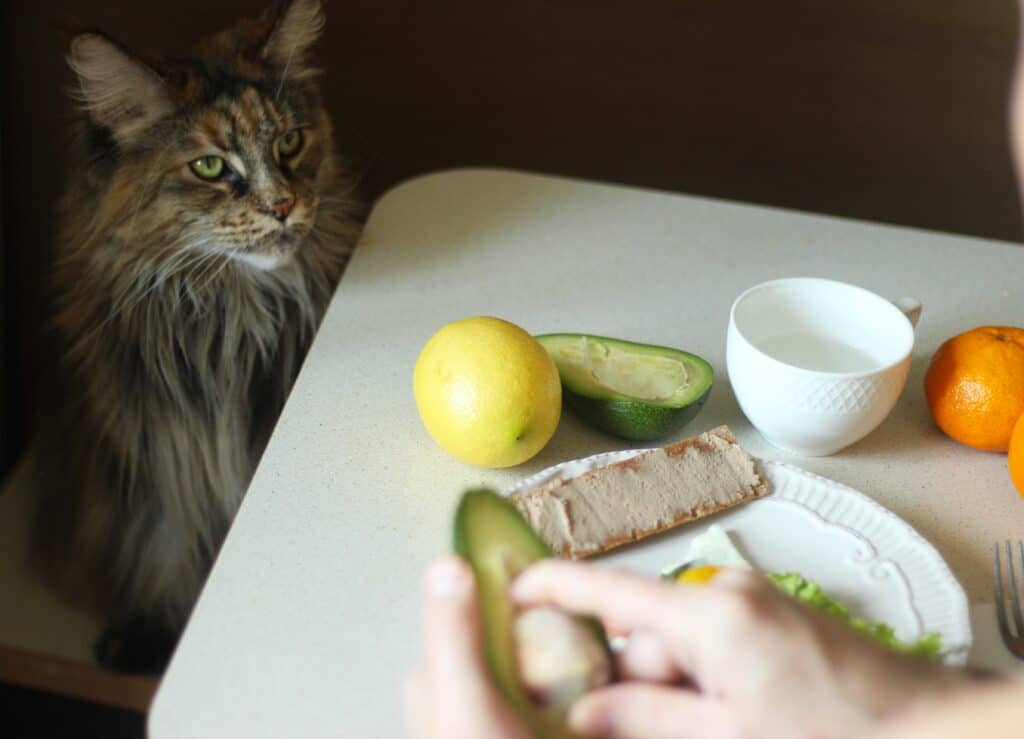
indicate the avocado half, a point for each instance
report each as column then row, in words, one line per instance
column 492, row 536
column 636, row 391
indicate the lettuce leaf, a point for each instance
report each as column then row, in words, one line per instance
column 810, row 592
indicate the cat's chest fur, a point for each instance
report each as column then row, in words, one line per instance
column 169, row 400
column 205, row 370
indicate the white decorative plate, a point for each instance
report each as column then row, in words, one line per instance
column 859, row 552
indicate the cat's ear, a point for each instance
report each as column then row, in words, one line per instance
column 119, row 91
column 296, row 27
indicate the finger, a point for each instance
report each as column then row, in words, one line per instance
column 646, row 658
column 453, row 638
column 638, row 602
column 734, row 577
column 416, row 703
column 583, row 588
column 464, row 702
column 640, row 710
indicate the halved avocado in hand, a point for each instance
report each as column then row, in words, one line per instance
column 636, row 391
column 498, row 543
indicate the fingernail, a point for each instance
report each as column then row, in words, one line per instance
column 585, row 717
column 448, row 578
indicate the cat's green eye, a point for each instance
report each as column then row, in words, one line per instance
column 289, row 144
column 209, row 167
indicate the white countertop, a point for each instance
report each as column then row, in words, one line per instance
column 311, row 613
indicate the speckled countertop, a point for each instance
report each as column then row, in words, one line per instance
column 312, row 611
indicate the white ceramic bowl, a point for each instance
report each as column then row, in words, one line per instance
column 817, row 364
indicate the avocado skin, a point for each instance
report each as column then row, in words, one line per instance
column 488, row 497
column 619, row 415
column 630, row 419
column 467, row 515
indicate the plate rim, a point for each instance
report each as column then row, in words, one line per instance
column 954, row 654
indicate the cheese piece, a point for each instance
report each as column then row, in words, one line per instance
column 654, row 491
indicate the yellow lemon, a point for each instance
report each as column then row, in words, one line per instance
column 487, row 392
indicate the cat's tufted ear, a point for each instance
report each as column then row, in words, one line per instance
column 119, row 92
column 296, row 26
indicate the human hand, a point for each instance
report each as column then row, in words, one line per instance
column 992, row 707
column 758, row 663
column 450, row 695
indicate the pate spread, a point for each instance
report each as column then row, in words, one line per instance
column 635, row 498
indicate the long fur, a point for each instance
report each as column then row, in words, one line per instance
column 181, row 334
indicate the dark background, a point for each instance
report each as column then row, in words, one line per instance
column 886, row 110
column 889, row 111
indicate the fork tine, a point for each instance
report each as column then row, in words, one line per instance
column 1018, row 615
column 1004, row 627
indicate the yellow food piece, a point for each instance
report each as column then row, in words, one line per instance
column 487, row 392
column 698, row 575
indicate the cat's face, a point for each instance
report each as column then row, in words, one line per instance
column 245, row 172
column 226, row 154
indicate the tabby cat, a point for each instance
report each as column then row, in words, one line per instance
column 201, row 236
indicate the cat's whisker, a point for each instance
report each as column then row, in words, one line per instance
column 284, row 75
column 195, row 292
column 223, row 267
column 198, row 260
column 207, row 263
column 158, row 264
column 161, row 271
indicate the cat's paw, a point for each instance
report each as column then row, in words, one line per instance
column 135, row 645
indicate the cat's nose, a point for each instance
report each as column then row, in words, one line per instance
column 281, row 207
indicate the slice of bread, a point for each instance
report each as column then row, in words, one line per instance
column 654, row 491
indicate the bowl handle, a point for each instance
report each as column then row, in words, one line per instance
column 910, row 307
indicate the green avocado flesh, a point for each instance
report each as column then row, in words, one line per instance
column 636, row 391
column 497, row 542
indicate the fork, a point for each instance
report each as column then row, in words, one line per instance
column 1014, row 642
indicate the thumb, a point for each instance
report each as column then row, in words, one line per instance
column 635, row 710
column 453, row 638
